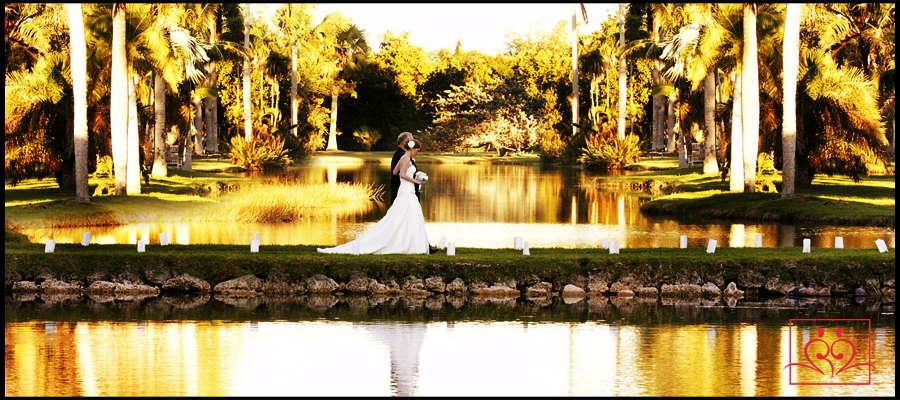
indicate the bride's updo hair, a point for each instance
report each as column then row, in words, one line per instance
column 413, row 144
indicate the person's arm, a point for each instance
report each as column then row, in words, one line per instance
column 403, row 165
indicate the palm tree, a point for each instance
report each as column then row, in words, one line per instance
column 248, row 129
column 750, row 98
column 622, row 80
column 791, row 69
column 736, row 160
column 159, row 128
column 294, row 21
column 710, row 163
column 575, row 121
column 348, row 48
column 79, row 88
column 210, row 103
column 658, row 99
column 119, row 98
column 133, row 171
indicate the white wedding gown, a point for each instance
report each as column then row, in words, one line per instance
column 401, row 231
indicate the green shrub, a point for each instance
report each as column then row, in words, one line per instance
column 105, row 175
column 367, row 136
column 611, row 153
column 264, row 152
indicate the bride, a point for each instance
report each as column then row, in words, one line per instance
column 402, row 230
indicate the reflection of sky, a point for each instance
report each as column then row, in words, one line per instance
column 486, row 206
column 332, row 358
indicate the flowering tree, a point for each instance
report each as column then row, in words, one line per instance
column 501, row 117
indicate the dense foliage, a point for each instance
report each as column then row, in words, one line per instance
column 518, row 101
column 265, row 152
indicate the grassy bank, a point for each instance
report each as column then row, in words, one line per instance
column 425, row 157
column 830, row 200
column 184, row 196
column 218, row 263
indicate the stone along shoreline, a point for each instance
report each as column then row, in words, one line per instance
column 595, row 284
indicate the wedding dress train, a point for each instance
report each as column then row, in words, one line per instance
column 401, row 231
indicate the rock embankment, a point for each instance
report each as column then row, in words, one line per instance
column 535, row 288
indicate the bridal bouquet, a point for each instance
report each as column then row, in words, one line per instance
column 421, row 176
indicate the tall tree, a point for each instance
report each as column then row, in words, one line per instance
column 294, row 21
column 670, row 119
column 791, row 69
column 210, row 103
column 133, row 173
column 575, row 65
column 348, row 49
column 710, row 164
column 159, row 126
column 659, row 101
column 79, row 89
column 248, row 128
column 736, row 160
column 118, row 98
column 622, row 79
column 750, row 98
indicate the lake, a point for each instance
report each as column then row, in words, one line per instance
column 357, row 346
column 485, row 206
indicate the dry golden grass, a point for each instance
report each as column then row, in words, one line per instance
column 279, row 202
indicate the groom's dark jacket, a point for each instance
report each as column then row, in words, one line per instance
column 395, row 179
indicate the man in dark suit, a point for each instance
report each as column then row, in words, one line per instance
column 395, row 178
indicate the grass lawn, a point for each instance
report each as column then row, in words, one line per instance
column 829, row 200
column 424, row 157
column 217, row 263
column 180, row 196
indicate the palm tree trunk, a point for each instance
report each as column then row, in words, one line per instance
column 294, row 86
column 159, row 129
column 670, row 143
column 736, row 182
column 750, row 101
column 118, row 97
column 134, row 142
column 574, row 73
column 723, row 141
column 791, row 69
column 332, row 130
column 248, row 130
column 79, row 88
column 658, row 100
column 210, row 103
column 622, row 82
column 210, row 110
column 710, row 164
column 683, row 161
column 197, row 133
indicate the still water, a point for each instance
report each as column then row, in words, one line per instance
column 339, row 346
column 485, row 206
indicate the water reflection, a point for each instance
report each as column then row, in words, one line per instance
column 719, row 354
column 485, row 206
